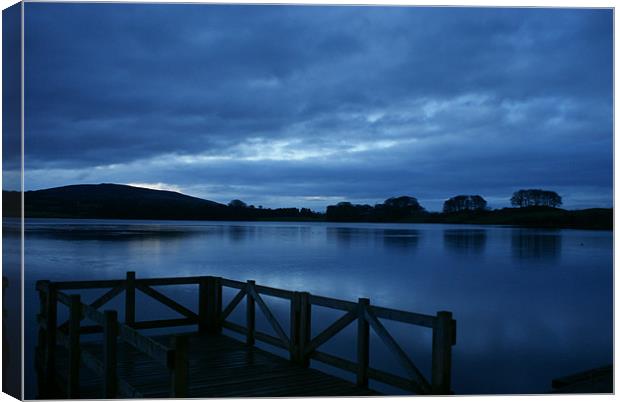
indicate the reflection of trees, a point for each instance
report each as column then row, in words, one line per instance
column 112, row 233
column 400, row 238
column 241, row 233
column 345, row 236
column 465, row 241
column 390, row 238
column 532, row 244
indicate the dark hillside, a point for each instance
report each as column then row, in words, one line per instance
column 119, row 202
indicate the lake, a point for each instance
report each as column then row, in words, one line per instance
column 531, row 304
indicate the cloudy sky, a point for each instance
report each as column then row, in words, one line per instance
column 312, row 105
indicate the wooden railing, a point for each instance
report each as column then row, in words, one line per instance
column 212, row 317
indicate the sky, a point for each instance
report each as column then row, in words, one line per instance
column 306, row 106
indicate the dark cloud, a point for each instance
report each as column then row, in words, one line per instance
column 302, row 104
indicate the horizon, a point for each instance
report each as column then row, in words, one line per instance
column 314, row 105
column 323, row 210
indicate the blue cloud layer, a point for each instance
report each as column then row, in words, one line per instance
column 303, row 105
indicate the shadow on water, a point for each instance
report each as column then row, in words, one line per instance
column 532, row 244
column 399, row 239
column 465, row 241
column 346, row 236
column 109, row 234
column 394, row 239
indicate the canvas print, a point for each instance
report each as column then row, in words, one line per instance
column 286, row 200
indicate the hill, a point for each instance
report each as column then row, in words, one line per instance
column 111, row 201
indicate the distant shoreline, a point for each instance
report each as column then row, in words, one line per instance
column 112, row 201
column 539, row 225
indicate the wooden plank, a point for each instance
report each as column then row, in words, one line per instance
column 390, row 379
column 63, row 298
column 270, row 317
column 143, row 343
column 269, row 291
column 91, row 329
column 403, row 316
column 160, row 297
column 181, row 368
column 110, row 385
column 335, row 361
column 203, row 301
column 74, row 285
column 106, row 297
column 235, row 327
column 331, row 331
column 250, row 314
column 173, row 322
column 442, row 354
column 75, row 316
column 130, row 298
column 333, row 303
column 363, row 344
column 214, row 304
column 50, row 337
column 184, row 280
column 259, row 336
column 230, row 283
column 233, row 303
column 305, row 326
column 123, row 388
column 93, row 314
column 423, row 385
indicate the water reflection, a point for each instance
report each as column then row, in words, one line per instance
column 11, row 307
column 241, row 233
column 530, row 244
column 344, row 236
column 110, row 233
column 400, row 239
column 503, row 310
column 465, row 241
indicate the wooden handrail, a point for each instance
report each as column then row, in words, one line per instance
column 212, row 317
column 175, row 357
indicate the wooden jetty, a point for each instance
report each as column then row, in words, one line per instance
column 126, row 363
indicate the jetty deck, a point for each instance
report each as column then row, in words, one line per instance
column 114, row 359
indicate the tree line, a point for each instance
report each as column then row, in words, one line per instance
column 406, row 207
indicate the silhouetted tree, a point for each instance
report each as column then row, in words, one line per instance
column 535, row 197
column 464, row 203
column 237, row 204
column 347, row 211
column 398, row 208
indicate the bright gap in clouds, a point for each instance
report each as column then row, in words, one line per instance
column 157, row 186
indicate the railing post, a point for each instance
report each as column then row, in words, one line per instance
column 203, row 303
column 294, row 347
column 305, row 322
column 363, row 345
column 214, row 304
column 443, row 339
column 110, row 331
column 180, row 369
column 42, row 287
column 250, row 314
column 50, row 338
column 75, row 315
column 130, row 298
column 300, row 327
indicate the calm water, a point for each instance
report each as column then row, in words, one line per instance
column 531, row 304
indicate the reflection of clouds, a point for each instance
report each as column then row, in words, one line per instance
column 465, row 241
column 532, row 244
